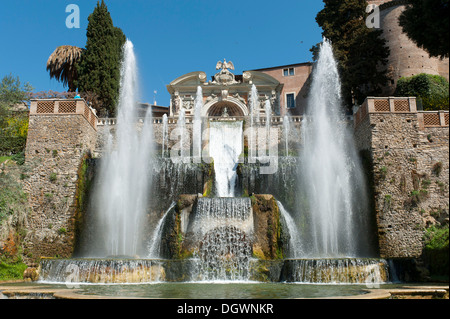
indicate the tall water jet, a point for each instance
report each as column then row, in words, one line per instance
column 181, row 154
column 197, row 131
column 125, row 171
column 254, row 117
column 225, row 147
column 165, row 136
column 268, row 111
column 331, row 176
column 286, row 132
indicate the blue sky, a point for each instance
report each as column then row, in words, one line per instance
column 170, row 37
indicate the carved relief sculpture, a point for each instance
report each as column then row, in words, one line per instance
column 224, row 77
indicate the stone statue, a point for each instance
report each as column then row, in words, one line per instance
column 224, row 77
column 225, row 112
column 224, row 65
column 176, row 102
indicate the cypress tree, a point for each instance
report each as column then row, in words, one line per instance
column 99, row 69
column 361, row 52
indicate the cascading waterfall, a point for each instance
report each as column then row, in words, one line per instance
column 225, row 147
column 224, row 227
column 125, row 171
column 101, row 271
column 330, row 175
column 197, row 132
column 338, row 271
column 155, row 243
column 295, row 244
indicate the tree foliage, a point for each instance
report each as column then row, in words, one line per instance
column 99, row 69
column 13, row 123
column 361, row 52
column 62, row 65
column 12, row 91
column 426, row 22
column 431, row 90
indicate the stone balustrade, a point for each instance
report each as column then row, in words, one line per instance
column 190, row 119
column 387, row 105
column 64, row 107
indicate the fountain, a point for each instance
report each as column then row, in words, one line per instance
column 286, row 133
column 225, row 146
column 197, row 132
column 332, row 178
column 237, row 229
column 254, row 117
column 124, row 173
column 165, row 137
column 181, row 154
column 223, row 227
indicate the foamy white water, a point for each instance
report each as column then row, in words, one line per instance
column 155, row 243
column 165, row 139
column 225, row 146
column 295, row 245
column 331, row 175
column 286, row 133
column 197, row 131
column 124, row 170
column 254, row 117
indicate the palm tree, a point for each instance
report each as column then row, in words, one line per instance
column 62, row 65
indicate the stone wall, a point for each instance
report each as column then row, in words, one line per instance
column 56, row 145
column 410, row 169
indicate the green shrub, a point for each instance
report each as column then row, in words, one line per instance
column 11, row 144
column 431, row 90
column 53, row 177
column 19, row 158
column 12, row 271
column 436, row 251
column 12, row 198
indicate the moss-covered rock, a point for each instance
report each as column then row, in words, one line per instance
column 173, row 236
column 268, row 231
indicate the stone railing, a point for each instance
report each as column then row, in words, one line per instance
column 275, row 120
column 401, row 105
column 64, row 107
column 432, row 118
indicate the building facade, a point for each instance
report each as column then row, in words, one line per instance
column 295, row 79
column 225, row 93
column 284, row 87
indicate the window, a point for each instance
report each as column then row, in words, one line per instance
column 290, row 100
column 288, row 72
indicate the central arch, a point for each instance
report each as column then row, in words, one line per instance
column 216, row 107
